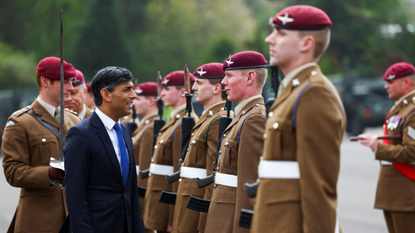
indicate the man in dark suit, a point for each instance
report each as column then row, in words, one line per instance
column 101, row 180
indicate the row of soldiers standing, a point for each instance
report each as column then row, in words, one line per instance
column 284, row 144
column 292, row 152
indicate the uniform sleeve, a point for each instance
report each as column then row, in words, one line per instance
column 403, row 152
column 18, row 159
column 249, row 153
column 319, row 135
column 212, row 145
column 77, row 163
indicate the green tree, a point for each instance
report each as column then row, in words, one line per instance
column 102, row 41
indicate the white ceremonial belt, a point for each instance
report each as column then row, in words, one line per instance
column 162, row 170
column 226, row 179
column 279, row 169
column 192, row 172
column 137, row 168
column 386, row 163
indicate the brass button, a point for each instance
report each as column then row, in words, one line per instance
column 313, row 72
column 265, row 135
column 155, row 147
column 159, row 133
column 257, row 105
column 193, row 134
column 220, row 152
column 43, row 139
column 193, row 141
column 275, row 125
column 187, row 148
column 243, row 112
column 224, row 135
column 226, row 143
column 270, row 114
column 161, row 141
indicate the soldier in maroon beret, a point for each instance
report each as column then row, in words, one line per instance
column 30, row 140
column 298, row 174
column 145, row 106
column 167, row 153
column 89, row 101
column 396, row 187
column 202, row 147
column 242, row 142
column 78, row 97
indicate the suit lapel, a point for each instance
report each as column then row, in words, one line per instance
column 106, row 141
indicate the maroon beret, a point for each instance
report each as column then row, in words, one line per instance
column 245, row 60
column 301, row 17
column 212, row 70
column 78, row 79
column 399, row 70
column 88, row 86
column 176, row 78
column 146, row 89
column 50, row 67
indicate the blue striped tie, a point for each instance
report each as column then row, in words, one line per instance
column 124, row 156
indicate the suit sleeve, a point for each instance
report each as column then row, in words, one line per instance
column 403, row 152
column 77, row 162
column 17, row 159
column 319, row 135
column 249, row 153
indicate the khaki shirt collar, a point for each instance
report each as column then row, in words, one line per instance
column 295, row 71
column 178, row 109
column 148, row 117
column 212, row 106
column 404, row 97
column 241, row 105
column 51, row 110
column 82, row 113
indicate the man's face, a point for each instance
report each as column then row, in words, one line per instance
column 78, row 95
column 395, row 88
column 122, row 99
column 284, row 47
column 141, row 105
column 171, row 96
column 203, row 90
column 55, row 89
column 235, row 84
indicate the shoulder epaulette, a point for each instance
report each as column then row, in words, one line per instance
column 21, row 111
column 71, row 111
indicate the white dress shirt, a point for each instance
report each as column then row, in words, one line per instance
column 109, row 126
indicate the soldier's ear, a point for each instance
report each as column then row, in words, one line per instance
column 106, row 95
column 307, row 43
column 251, row 77
column 217, row 88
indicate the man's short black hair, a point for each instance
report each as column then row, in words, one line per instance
column 108, row 78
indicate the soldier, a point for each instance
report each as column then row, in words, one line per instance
column 242, row 141
column 30, row 139
column 396, row 187
column 89, row 100
column 145, row 106
column 167, row 153
column 78, row 96
column 304, row 130
column 202, row 147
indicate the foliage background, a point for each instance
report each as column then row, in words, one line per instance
column 146, row 36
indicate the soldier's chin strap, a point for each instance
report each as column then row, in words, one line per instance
column 405, row 168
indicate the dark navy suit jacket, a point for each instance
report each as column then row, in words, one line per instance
column 96, row 198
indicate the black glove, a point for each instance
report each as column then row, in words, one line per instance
column 56, row 174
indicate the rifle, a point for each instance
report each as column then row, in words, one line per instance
column 188, row 122
column 396, row 136
column 251, row 189
column 59, row 164
column 275, row 77
column 202, row 205
column 158, row 123
column 223, row 124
